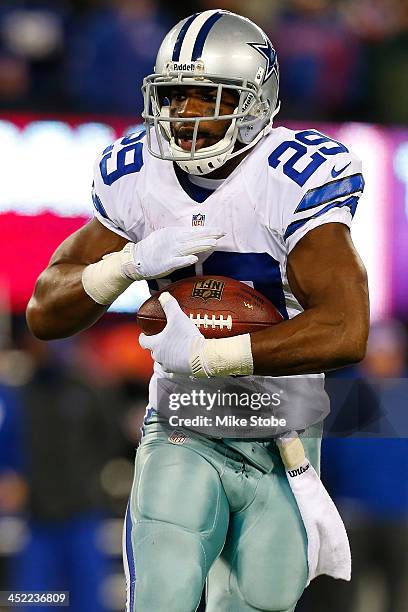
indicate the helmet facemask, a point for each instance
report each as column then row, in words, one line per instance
column 250, row 120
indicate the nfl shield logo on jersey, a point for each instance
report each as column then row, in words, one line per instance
column 177, row 437
column 198, row 219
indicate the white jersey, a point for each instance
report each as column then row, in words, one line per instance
column 290, row 183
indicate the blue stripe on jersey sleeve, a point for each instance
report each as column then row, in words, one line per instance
column 202, row 36
column 180, row 38
column 99, row 206
column 351, row 203
column 330, row 191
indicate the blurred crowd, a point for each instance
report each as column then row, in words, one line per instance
column 340, row 59
column 365, row 468
column 70, row 419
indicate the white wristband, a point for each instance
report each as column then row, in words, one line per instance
column 105, row 280
column 223, row 357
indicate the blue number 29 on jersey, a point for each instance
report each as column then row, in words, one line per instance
column 129, row 158
column 300, row 148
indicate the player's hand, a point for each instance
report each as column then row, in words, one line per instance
column 166, row 250
column 172, row 348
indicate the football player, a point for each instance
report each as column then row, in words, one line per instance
column 209, row 187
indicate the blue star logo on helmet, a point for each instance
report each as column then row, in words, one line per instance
column 269, row 53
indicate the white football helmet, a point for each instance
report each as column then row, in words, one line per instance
column 226, row 51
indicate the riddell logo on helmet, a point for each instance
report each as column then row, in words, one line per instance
column 185, row 66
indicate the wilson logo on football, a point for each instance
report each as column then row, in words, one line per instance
column 208, row 289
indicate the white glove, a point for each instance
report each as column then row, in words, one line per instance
column 182, row 349
column 173, row 346
column 166, row 250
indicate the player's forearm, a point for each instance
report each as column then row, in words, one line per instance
column 314, row 341
column 59, row 306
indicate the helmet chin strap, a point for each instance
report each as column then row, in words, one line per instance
column 212, row 161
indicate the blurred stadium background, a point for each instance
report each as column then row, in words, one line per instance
column 70, row 410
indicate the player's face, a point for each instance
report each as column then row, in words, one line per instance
column 188, row 102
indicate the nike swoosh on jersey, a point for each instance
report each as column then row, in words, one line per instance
column 335, row 172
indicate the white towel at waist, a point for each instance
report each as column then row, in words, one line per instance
column 328, row 548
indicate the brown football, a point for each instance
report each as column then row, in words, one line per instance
column 219, row 306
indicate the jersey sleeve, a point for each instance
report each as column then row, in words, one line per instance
column 115, row 188
column 331, row 196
